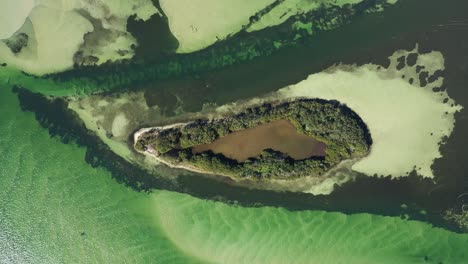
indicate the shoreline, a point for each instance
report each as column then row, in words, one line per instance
column 242, row 182
column 313, row 185
column 137, row 135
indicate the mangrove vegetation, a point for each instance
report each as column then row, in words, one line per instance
column 342, row 131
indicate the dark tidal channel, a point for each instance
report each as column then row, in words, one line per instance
column 435, row 25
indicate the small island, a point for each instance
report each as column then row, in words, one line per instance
column 276, row 140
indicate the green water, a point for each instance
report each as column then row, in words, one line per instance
column 224, row 234
column 55, row 208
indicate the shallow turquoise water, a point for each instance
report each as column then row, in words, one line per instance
column 55, row 208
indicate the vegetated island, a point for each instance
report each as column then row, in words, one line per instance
column 280, row 140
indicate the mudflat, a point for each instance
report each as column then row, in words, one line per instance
column 280, row 135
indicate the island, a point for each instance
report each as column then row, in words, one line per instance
column 274, row 140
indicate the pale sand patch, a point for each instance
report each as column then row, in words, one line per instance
column 92, row 123
column 58, row 29
column 13, row 13
column 57, row 34
column 199, row 23
column 407, row 122
column 119, row 125
column 114, row 118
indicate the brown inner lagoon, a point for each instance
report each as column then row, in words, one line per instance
column 280, row 135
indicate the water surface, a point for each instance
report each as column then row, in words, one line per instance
column 280, row 135
column 56, row 208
